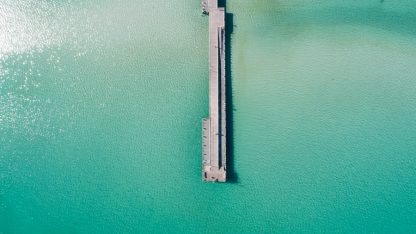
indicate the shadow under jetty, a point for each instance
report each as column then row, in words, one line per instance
column 231, row 173
column 229, row 29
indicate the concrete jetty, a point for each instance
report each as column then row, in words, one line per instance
column 214, row 138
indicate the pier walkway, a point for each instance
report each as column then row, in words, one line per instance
column 214, row 128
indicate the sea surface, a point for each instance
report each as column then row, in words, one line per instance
column 101, row 104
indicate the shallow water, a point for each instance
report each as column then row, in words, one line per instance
column 101, row 105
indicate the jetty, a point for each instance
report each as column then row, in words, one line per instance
column 214, row 151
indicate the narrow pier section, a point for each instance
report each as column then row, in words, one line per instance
column 214, row 128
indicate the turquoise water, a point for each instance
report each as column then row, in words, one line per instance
column 101, row 105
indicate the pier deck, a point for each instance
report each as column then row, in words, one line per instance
column 214, row 128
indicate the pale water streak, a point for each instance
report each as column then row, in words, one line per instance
column 101, row 105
